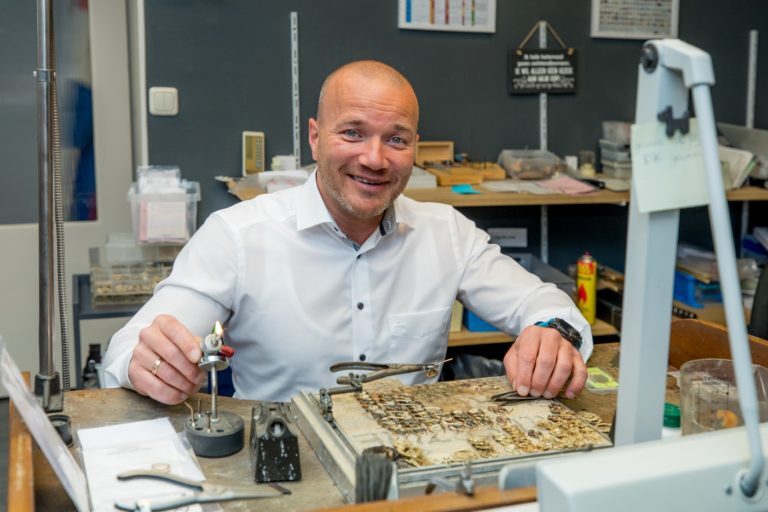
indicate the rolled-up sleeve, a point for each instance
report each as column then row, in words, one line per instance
column 502, row 292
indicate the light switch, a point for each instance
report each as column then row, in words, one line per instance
column 163, row 101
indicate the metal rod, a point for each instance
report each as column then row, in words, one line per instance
column 751, row 78
column 45, row 186
column 295, row 86
column 729, row 283
column 214, row 394
column 543, row 146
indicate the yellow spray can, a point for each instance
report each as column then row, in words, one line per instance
column 586, row 286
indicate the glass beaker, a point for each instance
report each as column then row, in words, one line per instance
column 709, row 396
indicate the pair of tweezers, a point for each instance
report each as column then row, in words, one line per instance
column 511, row 397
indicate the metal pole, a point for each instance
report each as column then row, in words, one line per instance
column 295, row 87
column 46, row 382
column 544, row 211
column 45, row 212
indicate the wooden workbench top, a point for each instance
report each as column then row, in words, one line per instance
column 91, row 408
column 100, row 407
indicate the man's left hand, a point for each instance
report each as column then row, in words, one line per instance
column 540, row 362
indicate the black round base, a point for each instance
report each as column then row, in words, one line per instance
column 225, row 436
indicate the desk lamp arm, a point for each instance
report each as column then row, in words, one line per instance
column 730, row 287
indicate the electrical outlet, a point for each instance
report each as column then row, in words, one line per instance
column 253, row 152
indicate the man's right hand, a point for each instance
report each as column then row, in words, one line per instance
column 164, row 363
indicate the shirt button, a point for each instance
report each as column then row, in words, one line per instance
column 362, row 357
column 360, row 305
column 359, row 256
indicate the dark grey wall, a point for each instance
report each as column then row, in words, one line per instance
column 18, row 135
column 230, row 60
column 18, row 123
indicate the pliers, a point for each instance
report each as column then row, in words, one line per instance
column 204, row 492
column 354, row 381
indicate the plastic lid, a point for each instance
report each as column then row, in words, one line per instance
column 671, row 415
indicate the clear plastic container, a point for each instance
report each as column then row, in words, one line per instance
column 710, row 398
column 613, row 146
column 619, row 132
column 130, row 283
column 164, row 218
column 616, row 169
column 128, row 276
column 530, row 164
column 615, row 156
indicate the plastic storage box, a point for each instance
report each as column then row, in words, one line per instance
column 693, row 292
column 530, row 164
column 622, row 170
column 164, row 218
column 615, row 156
column 619, row 132
column 476, row 324
column 124, row 275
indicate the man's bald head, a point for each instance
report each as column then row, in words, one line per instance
column 372, row 70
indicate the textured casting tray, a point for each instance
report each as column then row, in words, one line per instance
column 436, row 428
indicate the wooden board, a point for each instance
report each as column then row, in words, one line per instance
column 456, row 421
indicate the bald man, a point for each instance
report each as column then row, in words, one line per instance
column 344, row 268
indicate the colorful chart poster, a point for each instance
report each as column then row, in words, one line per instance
column 450, row 15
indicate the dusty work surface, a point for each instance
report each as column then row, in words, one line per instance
column 95, row 408
column 457, row 421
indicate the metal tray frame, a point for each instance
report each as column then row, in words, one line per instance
column 338, row 457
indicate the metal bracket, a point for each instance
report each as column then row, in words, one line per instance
column 326, row 405
column 464, row 486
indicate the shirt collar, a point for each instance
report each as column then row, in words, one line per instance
column 311, row 210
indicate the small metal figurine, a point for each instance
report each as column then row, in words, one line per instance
column 215, row 433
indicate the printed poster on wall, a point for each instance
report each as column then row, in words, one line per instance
column 635, row 19
column 450, row 15
column 537, row 71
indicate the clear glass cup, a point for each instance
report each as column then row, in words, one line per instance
column 709, row 397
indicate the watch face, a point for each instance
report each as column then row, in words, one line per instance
column 566, row 328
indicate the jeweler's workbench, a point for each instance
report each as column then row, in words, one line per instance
column 91, row 408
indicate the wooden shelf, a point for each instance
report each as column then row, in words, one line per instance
column 748, row 194
column 466, row 338
column 488, row 198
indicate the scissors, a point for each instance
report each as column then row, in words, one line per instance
column 354, row 381
column 204, row 492
column 511, row 397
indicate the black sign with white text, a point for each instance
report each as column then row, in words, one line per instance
column 536, row 71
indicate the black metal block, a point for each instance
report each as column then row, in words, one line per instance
column 274, row 445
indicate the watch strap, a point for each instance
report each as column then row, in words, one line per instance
column 566, row 330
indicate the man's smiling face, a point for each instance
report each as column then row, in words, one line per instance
column 363, row 141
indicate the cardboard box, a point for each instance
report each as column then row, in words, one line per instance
column 456, row 316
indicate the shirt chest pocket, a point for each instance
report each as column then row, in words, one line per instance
column 422, row 324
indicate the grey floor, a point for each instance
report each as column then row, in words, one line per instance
column 3, row 454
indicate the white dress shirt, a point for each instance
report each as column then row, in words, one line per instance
column 296, row 295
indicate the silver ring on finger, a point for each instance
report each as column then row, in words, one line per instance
column 156, row 365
